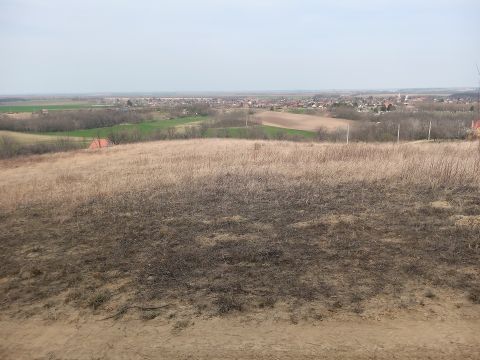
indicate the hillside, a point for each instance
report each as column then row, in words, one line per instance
column 287, row 241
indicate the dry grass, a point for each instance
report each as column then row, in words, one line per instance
column 25, row 138
column 69, row 179
column 225, row 226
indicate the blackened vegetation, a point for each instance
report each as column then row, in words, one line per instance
column 223, row 249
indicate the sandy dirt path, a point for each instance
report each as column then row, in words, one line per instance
column 300, row 121
column 232, row 339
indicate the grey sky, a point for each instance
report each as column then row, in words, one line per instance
column 60, row 46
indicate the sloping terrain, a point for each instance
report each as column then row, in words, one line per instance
column 293, row 242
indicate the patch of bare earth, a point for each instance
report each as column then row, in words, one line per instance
column 229, row 338
column 225, row 249
column 301, row 121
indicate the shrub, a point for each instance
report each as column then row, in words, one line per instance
column 9, row 147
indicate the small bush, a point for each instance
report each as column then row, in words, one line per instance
column 99, row 298
column 8, row 147
column 474, row 295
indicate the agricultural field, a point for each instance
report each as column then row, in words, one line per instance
column 150, row 127
column 274, row 130
column 303, row 122
column 270, row 132
column 146, row 127
column 242, row 249
column 35, row 108
column 30, row 138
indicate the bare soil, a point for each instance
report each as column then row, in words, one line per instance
column 233, row 339
column 301, row 121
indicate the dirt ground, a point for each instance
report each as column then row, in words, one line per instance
column 236, row 339
column 300, row 121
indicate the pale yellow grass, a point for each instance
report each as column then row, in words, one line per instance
column 300, row 121
column 25, row 138
column 69, row 178
column 22, row 115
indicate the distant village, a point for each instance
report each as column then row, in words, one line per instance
column 321, row 102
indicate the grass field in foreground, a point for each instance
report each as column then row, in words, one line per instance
column 165, row 236
column 33, row 108
column 223, row 226
column 146, row 127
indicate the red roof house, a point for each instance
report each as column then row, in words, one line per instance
column 100, row 143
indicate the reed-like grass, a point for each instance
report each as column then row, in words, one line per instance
column 68, row 178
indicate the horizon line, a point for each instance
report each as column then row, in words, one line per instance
column 234, row 92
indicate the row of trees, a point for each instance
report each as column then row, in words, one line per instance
column 95, row 118
column 349, row 112
column 391, row 130
column 10, row 147
column 71, row 120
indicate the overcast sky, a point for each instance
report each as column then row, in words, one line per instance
column 69, row 46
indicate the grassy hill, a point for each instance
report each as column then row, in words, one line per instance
column 176, row 239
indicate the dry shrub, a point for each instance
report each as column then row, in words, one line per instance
column 9, row 147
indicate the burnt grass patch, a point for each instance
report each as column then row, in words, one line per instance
column 257, row 256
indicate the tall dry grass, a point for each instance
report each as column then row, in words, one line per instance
column 220, row 226
column 67, row 179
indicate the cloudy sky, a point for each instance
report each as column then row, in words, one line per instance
column 70, row 46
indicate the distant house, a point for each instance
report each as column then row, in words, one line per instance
column 100, row 143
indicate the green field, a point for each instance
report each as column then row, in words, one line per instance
column 302, row 111
column 144, row 127
column 33, row 138
column 150, row 127
column 270, row 132
column 34, row 108
column 297, row 111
